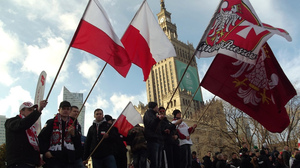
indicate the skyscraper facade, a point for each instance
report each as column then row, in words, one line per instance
column 2, row 129
column 168, row 73
column 76, row 99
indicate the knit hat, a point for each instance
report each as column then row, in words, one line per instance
column 152, row 105
column 175, row 112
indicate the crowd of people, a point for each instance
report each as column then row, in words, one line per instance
column 160, row 143
column 255, row 158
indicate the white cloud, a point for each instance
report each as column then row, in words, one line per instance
column 87, row 69
column 46, row 57
column 10, row 51
column 290, row 65
column 17, row 95
column 89, row 110
column 120, row 101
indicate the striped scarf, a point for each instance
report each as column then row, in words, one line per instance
column 57, row 139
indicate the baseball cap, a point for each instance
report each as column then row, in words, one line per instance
column 64, row 104
column 27, row 105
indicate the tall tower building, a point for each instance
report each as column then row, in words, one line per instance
column 76, row 99
column 2, row 129
column 166, row 74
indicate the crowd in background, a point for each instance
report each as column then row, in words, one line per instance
column 160, row 143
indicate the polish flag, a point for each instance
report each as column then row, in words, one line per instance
column 145, row 41
column 128, row 119
column 298, row 143
column 96, row 36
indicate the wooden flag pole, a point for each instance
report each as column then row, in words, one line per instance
column 98, row 144
column 66, row 54
column 90, row 92
column 58, row 72
column 107, row 133
column 206, row 109
column 191, row 101
column 180, row 81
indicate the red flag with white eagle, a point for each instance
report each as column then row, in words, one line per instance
column 145, row 42
column 236, row 31
column 128, row 119
column 96, row 36
column 261, row 90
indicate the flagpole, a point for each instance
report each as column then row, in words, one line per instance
column 134, row 17
column 206, row 109
column 209, row 25
column 90, row 92
column 191, row 100
column 98, row 144
column 58, row 72
column 66, row 54
column 181, row 79
column 107, row 133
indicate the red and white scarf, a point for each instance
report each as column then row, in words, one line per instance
column 56, row 138
column 32, row 136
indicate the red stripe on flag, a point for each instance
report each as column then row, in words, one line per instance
column 138, row 50
column 93, row 40
column 123, row 125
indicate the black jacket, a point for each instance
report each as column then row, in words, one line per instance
column 207, row 162
column 166, row 124
column 65, row 156
column 246, row 162
column 106, row 147
column 18, row 148
column 153, row 127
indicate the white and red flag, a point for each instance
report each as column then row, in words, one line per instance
column 261, row 90
column 96, row 36
column 145, row 41
column 128, row 119
column 236, row 31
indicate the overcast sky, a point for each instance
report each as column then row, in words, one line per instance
column 35, row 35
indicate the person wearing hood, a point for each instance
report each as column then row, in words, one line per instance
column 102, row 156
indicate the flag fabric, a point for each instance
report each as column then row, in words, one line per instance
column 96, row 36
column 260, row 90
column 128, row 119
column 298, row 143
column 236, row 31
column 145, row 41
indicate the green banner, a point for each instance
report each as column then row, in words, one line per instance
column 190, row 81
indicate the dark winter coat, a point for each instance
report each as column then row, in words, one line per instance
column 153, row 127
column 106, row 147
column 65, row 155
column 18, row 148
column 207, row 162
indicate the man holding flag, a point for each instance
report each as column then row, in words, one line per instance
column 102, row 155
column 21, row 138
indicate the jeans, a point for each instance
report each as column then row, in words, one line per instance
column 155, row 154
column 106, row 162
column 140, row 159
column 185, row 156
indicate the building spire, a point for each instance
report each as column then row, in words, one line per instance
column 162, row 5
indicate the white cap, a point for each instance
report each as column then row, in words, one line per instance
column 27, row 105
